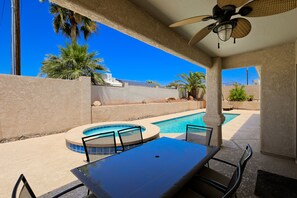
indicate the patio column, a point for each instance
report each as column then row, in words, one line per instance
column 214, row 117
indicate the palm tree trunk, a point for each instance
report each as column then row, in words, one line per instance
column 73, row 34
column 73, row 28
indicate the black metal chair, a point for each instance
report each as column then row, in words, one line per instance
column 25, row 190
column 210, row 183
column 198, row 134
column 106, row 139
column 130, row 137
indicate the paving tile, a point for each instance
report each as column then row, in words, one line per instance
column 46, row 162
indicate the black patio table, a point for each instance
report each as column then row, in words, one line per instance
column 156, row 169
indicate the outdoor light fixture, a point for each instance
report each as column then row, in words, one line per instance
column 224, row 30
column 226, row 26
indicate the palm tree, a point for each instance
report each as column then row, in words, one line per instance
column 192, row 82
column 74, row 61
column 70, row 23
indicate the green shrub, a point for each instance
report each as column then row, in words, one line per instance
column 250, row 98
column 237, row 93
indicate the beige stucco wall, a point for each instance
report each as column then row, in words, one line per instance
column 137, row 111
column 41, row 105
column 278, row 95
column 247, row 105
column 131, row 94
column 249, row 89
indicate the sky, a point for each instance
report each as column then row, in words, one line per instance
column 125, row 57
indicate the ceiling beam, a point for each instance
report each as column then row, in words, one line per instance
column 133, row 21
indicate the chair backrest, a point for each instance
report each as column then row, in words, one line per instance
column 237, row 175
column 198, row 134
column 106, row 139
column 22, row 189
column 130, row 136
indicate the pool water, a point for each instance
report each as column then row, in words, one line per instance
column 108, row 128
column 178, row 125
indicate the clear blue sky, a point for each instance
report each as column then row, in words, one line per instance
column 126, row 57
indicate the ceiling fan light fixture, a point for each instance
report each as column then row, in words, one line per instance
column 224, row 30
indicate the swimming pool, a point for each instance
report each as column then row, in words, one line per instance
column 178, row 125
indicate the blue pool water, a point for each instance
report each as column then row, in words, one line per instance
column 178, row 125
column 107, row 128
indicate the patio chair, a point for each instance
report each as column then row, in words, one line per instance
column 25, row 190
column 198, row 134
column 130, row 136
column 90, row 142
column 210, row 183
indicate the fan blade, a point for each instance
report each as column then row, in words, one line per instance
column 236, row 3
column 194, row 19
column 270, row 7
column 242, row 28
column 201, row 34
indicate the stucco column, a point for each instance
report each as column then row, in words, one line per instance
column 85, row 103
column 295, row 124
column 214, row 117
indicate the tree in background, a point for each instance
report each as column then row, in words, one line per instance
column 237, row 93
column 74, row 61
column 155, row 84
column 71, row 24
column 192, row 81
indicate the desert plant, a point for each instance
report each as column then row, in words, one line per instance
column 250, row 98
column 237, row 93
column 74, row 61
column 192, row 82
column 70, row 23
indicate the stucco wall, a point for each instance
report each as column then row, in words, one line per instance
column 247, row 105
column 249, row 89
column 130, row 94
column 136, row 111
column 41, row 105
column 278, row 95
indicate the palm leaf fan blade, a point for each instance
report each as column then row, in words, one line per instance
column 270, row 7
column 194, row 19
column 236, row 3
column 201, row 34
column 242, row 28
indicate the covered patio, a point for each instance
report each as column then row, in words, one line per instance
column 270, row 46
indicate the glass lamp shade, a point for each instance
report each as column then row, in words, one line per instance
column 225, row 31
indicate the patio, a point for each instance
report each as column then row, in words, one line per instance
column 46, row 162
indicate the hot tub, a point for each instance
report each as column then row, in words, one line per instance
column 74, row 136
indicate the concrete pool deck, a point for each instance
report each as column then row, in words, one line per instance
column 46, row 162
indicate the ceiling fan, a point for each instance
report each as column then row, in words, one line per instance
column 226, row 27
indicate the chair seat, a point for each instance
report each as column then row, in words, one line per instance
column 214, row 175
column 206, row 189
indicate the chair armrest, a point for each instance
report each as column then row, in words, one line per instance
column 223, row 161
column 68, row 190
column 213, row 183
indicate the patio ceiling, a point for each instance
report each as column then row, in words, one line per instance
column 266, row 31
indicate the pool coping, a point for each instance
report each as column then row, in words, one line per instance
column 74, row 136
